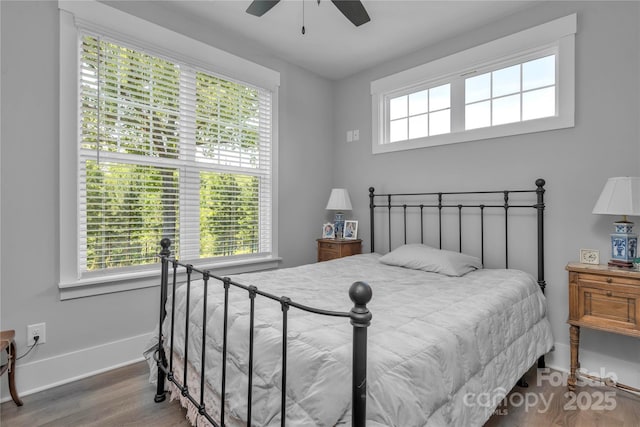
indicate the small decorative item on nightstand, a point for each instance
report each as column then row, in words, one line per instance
column 328, row 231
column 350, row 230
column 589, row 256
column 621, row 196
column 339, row 201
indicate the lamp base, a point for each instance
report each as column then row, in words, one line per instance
column 339, row 225
column 620, row 264
column 624, row 245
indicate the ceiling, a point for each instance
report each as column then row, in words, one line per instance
column 333, row 47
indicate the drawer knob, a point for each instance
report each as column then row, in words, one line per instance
column 608, row 293
column 609, row 280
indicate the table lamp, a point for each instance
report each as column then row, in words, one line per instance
column 621, row 196
column 339, row 201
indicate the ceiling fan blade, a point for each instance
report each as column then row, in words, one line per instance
column 260, row 7
column 353, row 10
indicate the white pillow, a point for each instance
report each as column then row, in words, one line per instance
column 426, row 258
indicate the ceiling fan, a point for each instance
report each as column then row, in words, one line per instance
column 352, row 9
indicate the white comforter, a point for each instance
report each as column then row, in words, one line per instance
column 435, row 342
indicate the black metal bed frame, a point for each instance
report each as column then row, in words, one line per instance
column 440, row 204
column 359, row 292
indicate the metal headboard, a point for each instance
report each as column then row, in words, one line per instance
column 440, row 201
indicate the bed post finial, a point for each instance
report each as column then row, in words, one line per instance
column 360, row 293
column 166, row 244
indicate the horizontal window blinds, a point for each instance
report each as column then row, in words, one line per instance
column 169, row 150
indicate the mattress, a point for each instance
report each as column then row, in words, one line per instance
column 435, row 344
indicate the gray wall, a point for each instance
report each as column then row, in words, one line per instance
column 575, row 162
column 29, row 179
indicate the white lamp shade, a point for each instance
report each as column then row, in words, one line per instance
column 339, row 200
column 620, row 196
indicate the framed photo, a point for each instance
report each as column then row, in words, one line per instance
column 589, row 256
column 350, row 230
column 328, row 231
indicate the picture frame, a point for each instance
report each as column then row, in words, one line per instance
column 350, row 230
column 589, row 256
column 328, row 231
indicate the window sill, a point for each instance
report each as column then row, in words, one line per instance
column 499, row 131
column 107, row 284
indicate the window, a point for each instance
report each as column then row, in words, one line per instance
column 420, row 114
column 511, row 94
column 480, row 93
column 165, row 147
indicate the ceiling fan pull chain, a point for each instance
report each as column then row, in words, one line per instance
column 303, row 29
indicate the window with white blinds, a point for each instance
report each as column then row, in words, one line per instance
column 168, row 149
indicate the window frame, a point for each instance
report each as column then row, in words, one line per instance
column 557, row 36
column 408, row 92
column 75, row 16
column 520, row 60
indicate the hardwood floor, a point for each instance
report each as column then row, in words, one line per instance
column 552, row 406
column 124, row 397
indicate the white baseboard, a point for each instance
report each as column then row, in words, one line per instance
column 32, row 377
column 39, row 375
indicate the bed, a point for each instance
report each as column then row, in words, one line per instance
column 417, row 344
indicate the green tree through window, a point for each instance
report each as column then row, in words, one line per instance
column 169, row 150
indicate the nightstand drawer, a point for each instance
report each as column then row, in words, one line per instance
column 326, row 256
column 608, row 280
column 353, row 249
column 337, row 248
column 606, row 305
column 326, row 246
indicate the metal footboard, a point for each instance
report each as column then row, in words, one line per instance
column 359, row 292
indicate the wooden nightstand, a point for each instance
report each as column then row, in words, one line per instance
column 604, row 298
column 338, row 248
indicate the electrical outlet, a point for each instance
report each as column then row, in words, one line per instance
column 38, row 329
column 356, row 134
